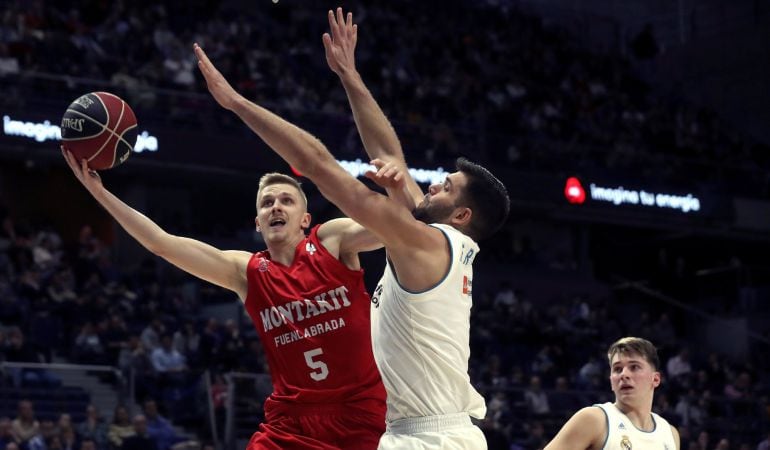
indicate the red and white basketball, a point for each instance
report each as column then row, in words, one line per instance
column 99, row 127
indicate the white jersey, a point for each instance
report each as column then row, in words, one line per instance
column 623, row 435
column 421, row 339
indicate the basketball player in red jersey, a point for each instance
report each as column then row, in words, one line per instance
column 306, row 297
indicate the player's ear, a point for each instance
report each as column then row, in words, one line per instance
column 462, row 216
column 306, row 219
column 256, row 224
column 655, row 379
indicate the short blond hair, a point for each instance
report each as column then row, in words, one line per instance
column 635, row 346
column 272, row 178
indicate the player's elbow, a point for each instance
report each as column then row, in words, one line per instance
column 160, row 244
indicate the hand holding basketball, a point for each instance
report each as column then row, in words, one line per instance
column 100, row 128
column 89, row 177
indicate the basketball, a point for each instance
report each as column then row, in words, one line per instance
column 99, row 127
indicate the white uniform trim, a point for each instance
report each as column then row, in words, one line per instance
column 622, row 434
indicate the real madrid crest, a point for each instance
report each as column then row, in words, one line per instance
column 625, row 443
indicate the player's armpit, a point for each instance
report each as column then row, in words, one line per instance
column 346, row 236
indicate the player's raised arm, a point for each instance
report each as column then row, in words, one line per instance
column 389, row 221
column 377, row 133
column 223, row 268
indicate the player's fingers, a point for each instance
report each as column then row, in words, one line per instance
column 377, row 162
column 336, row 26
column 67, row 157
column 349, row 21
column 327, row 40
column 371, row 175
column 203, row 60
column 340, row 21
column 354, row 38
column 72, row 162
column 332, row 23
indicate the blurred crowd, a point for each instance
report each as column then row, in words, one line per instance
column 536, row 358
column 462, row 78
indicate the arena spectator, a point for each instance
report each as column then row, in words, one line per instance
column 93, row 428
column 25, row 426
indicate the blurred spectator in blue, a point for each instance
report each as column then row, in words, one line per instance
column 536, row 398
column 689, row 411
column 42, row 438
column 678, row 366
column 187, row 342
column 590, row 373
column 168, row 363
column 159, row 428
column 151, row 335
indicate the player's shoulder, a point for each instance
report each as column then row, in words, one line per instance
column 594, row 414
column 335, row 228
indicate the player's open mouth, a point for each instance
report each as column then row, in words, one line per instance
column 277, row 223
column 626, row 388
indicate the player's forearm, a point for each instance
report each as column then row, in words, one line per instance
column 377, row 133
column 136, row 224
column 379, row 138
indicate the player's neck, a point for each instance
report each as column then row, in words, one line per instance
column 639, row 415
column 283, row 252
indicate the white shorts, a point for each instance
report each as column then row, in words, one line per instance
column 449, row 432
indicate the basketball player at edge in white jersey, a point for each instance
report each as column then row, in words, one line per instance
column 421, row 307
column 629, row 423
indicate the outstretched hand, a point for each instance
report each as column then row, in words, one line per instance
column 390, row 176
column 89, row 177
column 387, row 176
column 220, row 89
column 340, row 46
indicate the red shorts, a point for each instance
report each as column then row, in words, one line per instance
column 318, row 427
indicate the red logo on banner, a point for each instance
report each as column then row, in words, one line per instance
column 574, row 191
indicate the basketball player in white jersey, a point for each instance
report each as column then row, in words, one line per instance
column 629, row 423
column 421, row 307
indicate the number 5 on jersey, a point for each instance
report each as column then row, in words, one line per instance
column 321, row 371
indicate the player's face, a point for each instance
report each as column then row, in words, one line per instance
column 441, row 200
column 633, row 379
column 281, row 213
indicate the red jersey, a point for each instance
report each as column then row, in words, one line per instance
column 313, row 320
